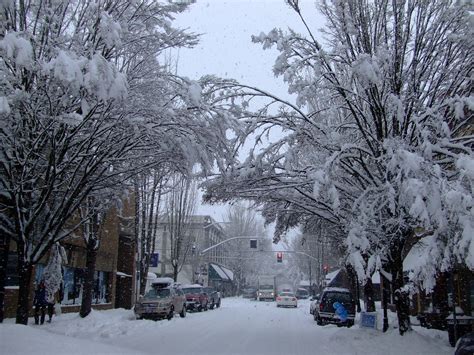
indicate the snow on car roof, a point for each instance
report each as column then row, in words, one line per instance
column 336, row 289
column 163, row 280
column 191, row 286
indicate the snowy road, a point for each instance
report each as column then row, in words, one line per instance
column 240, row 326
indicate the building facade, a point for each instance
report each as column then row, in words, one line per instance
column 115, row 258
column 200, row 233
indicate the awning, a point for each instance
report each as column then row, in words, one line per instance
column 228, row 272
column 217, row 272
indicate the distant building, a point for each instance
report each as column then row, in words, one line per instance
column 201, row 233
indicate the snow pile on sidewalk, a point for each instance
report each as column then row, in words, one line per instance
column 19, row 339
column 240, row 326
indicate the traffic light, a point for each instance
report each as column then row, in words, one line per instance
column 326, row 269
column 279, row 257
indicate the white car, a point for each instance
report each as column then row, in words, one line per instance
column 286, row 299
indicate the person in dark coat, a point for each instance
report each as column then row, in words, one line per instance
column 40, row 303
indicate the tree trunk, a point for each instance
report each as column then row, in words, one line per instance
column 175, row 273
column 25, row 271
column 354, row 284
column 400, row 296
column 91, row 256
column 369, row 296
column 4, row 250
column 385, row 294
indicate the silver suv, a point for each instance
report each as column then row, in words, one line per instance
column 161, row 302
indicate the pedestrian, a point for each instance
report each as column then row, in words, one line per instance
column 40, row 303
column 51, row 302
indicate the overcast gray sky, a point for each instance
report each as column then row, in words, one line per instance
column 226, row 49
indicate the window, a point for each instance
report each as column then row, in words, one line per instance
column 12, row 270
column 101, row 289
column 157, row 293
column 39, row 271
column 73, row 281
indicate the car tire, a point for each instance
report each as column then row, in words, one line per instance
column 218, row 304
column 182, row 314
column 350, row 324
column 200, row 308
column 212, row 305
column 171, row 314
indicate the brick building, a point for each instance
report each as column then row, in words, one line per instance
column 115, row 258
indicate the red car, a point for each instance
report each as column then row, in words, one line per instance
column 196, row 298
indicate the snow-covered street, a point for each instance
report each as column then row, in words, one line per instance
column 240, row 326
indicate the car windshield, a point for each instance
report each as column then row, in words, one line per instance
column 192, row 290
column 287, row 294
column 338, row 297
column 157, row 293
column 266, row 287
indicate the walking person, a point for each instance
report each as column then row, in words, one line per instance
column 40, row 303
column 50, row 299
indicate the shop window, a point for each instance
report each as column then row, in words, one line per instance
column 101, row 288
column 39, row 270
column 73, row 280
column 12, row 278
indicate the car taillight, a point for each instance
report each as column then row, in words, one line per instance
column 278, row 298
column 321, row 306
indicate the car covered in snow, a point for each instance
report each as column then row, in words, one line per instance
column 161, row 301
column 286, row 299
column 214, row 297
column 337, row 306
column 196, row 298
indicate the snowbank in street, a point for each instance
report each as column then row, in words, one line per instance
column 240, row 326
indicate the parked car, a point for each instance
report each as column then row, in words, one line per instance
column 214, row 297
column 302, row 293
column 249, row 292
column 287, row 299
column 161, row 302
column 196, row 298
column 326, row 313
column 314, row 303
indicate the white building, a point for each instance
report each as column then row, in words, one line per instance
column 200, row 233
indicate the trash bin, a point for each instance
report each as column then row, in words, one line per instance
column 464, row 325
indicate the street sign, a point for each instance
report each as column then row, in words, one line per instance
column 154, row 259
column 368, row 320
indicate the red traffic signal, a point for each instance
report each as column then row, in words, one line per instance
column 326, row 268
column 279, row 257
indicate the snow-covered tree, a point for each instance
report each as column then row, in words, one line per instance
column 180, row 204
column 379, row 141
column 82, row 96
